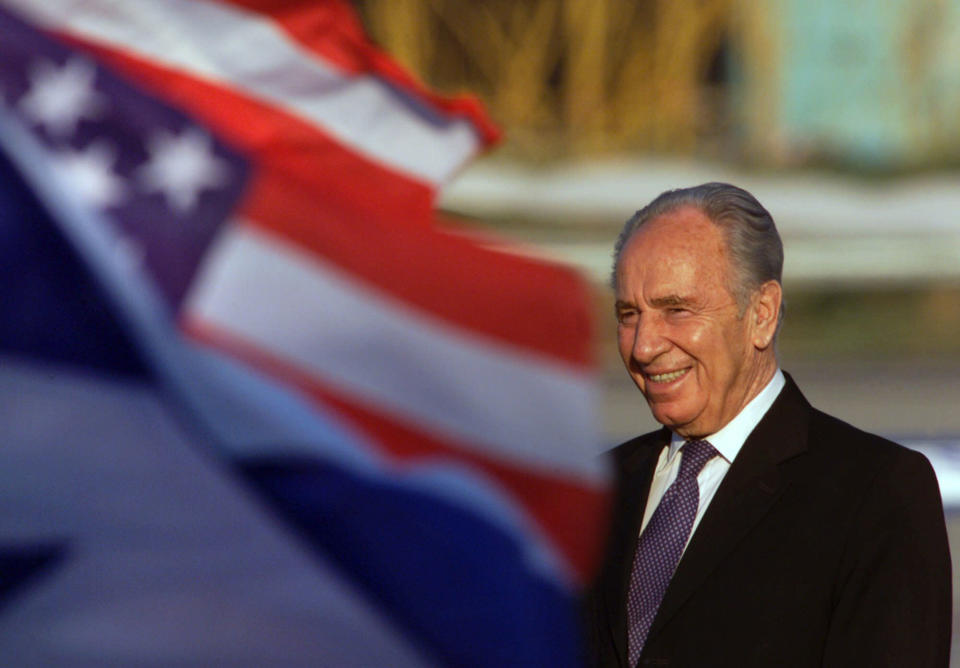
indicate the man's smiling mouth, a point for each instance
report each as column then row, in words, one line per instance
column 666, row 377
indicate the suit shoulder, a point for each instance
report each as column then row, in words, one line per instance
column 846, row 445
column 843, row 439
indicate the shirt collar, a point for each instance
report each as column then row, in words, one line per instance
column 733, row 435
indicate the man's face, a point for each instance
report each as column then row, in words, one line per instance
column 680, row 331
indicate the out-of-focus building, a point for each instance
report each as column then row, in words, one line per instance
column 866, row 83
column 875, row 83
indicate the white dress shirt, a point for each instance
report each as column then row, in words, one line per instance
column 727, row 441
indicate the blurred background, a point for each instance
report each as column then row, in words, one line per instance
column 843, row 118
column 157, row 507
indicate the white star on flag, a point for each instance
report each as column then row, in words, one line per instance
column 90, row 172
column 181, row 166
column 60, row 96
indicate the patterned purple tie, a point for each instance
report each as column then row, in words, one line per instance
column 662, row 542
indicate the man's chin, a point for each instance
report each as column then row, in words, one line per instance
column 682, row 420
column 670, row 419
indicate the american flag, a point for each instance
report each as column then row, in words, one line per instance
column 165, row 182
column 278, row 207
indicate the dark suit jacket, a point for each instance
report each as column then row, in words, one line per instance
column 823, row 546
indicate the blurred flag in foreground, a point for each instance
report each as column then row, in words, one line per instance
column 261, row 247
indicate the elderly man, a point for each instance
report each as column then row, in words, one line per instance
column 752, row 529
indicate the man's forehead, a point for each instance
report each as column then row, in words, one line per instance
column 665, row 299
column 668, row 275
column 673, row 258
column 674, row 239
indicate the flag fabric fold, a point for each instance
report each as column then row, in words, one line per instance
column 260, row 246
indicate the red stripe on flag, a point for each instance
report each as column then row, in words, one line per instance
column 281, row 142
column 333, row 30
column 522, row 302
column 369, row 213
column 569, row 514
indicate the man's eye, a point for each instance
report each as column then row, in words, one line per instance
column 624, row 317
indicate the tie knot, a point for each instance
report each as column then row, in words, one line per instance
column 695, row 455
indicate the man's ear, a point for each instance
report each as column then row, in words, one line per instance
column 767, row 302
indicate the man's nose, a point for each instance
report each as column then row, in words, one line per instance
column 648, row 339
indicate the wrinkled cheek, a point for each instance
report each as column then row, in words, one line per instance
column 696, row 336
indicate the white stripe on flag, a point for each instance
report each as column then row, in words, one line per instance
column 247, row 414
column 361, row 111
column 306, row 312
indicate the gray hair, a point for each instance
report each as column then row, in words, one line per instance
column 756, row 252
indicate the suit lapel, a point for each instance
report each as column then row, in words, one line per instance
column 747, row 492
column 638, row 460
